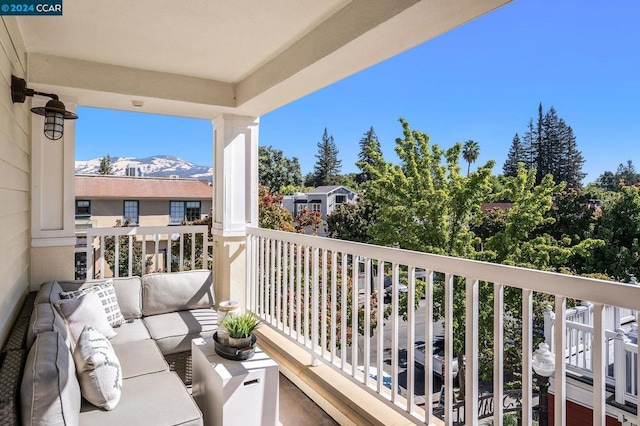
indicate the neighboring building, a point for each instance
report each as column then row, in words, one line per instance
column 323, row 199
column 101, row 201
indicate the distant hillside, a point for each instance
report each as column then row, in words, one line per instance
column 156, row 166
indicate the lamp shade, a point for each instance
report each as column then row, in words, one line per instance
column 54, row 113
column 543, row 361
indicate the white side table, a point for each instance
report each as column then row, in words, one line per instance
column 234, row 392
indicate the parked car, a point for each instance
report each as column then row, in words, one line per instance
column 437, row 356
column 388, row 287
column 373, row 374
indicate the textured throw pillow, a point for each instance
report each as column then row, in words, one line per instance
column 85, row 310
column 98, row 369
column 107, row 295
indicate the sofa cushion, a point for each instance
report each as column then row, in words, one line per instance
column 151, row 399
column 174, row 331
column 180, row 291
column 85, row 310
column 131, row 331
column 140, row 357
column 128, row 292
column 50, row 393
column 107, row 295
column 98, row 369
column 45, row 318
column 49, row 292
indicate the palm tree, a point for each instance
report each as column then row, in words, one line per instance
column 470, row 152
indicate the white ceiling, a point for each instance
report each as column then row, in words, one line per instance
column 203, row 57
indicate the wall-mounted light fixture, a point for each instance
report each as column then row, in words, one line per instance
column 54, row 112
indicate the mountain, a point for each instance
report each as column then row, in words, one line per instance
column 155, row 166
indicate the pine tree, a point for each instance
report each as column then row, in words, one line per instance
column 470, row 153
column 368, row 145
column 105, row 166
column 516, row 155
column 552, row 149
column 327, row 167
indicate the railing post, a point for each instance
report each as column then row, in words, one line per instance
column 588, row 317
column 620, row 365
column 549, row 324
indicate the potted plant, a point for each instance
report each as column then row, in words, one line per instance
column 240, row 329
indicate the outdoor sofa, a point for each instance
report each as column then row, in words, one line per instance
column 40, row 381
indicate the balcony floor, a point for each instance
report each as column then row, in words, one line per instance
column 297, row 409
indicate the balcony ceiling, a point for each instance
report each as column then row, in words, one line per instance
column 202, row 57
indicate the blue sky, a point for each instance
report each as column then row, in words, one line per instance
column 482, row 81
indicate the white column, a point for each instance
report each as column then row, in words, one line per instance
column 235, row 195
column 52, row 200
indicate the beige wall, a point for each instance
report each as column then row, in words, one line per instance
column 105, row 213
column 15, row 130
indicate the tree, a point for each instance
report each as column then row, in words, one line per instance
column 551, row 148
column 470, row 153
column 351, row 221
column 369, row 144
column 275, row 170
column 424, row 203
column 271, row 214
column 306, row 219
column 517, row 154
column 327, row 166
column 105, row 166
column 625, row 175
column 620, row 228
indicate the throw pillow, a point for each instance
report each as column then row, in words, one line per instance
column 98, row 369
column 85, row 310
column 107, row 294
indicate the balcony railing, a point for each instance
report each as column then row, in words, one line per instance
column 306, row 287
column 621, row 347
column 163, row 248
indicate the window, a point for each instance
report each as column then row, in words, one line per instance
column 83, row 208
column 131, row 211
column 180, row 211
column 300, row 207
column 192, row 209
column 315, row 207
column 341, row 199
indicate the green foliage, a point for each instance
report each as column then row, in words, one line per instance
column 327, row 167
column 517, row 154
column 369, row 146
column 241, row 326
column 105, row 166
column 276, row 171
column 424, row 204
column 625, row 175
column 550, row 147
column 470, row 153
column 351, row 221
column 620, row 228
column 292, row 189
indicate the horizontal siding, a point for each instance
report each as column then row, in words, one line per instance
column 14, row 186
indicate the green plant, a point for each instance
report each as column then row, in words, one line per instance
column 241, row 326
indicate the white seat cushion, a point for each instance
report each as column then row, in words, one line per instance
column 174, row 331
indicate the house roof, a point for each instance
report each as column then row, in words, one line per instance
column 490, row 206
column 327, row 189
column 93, row 186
